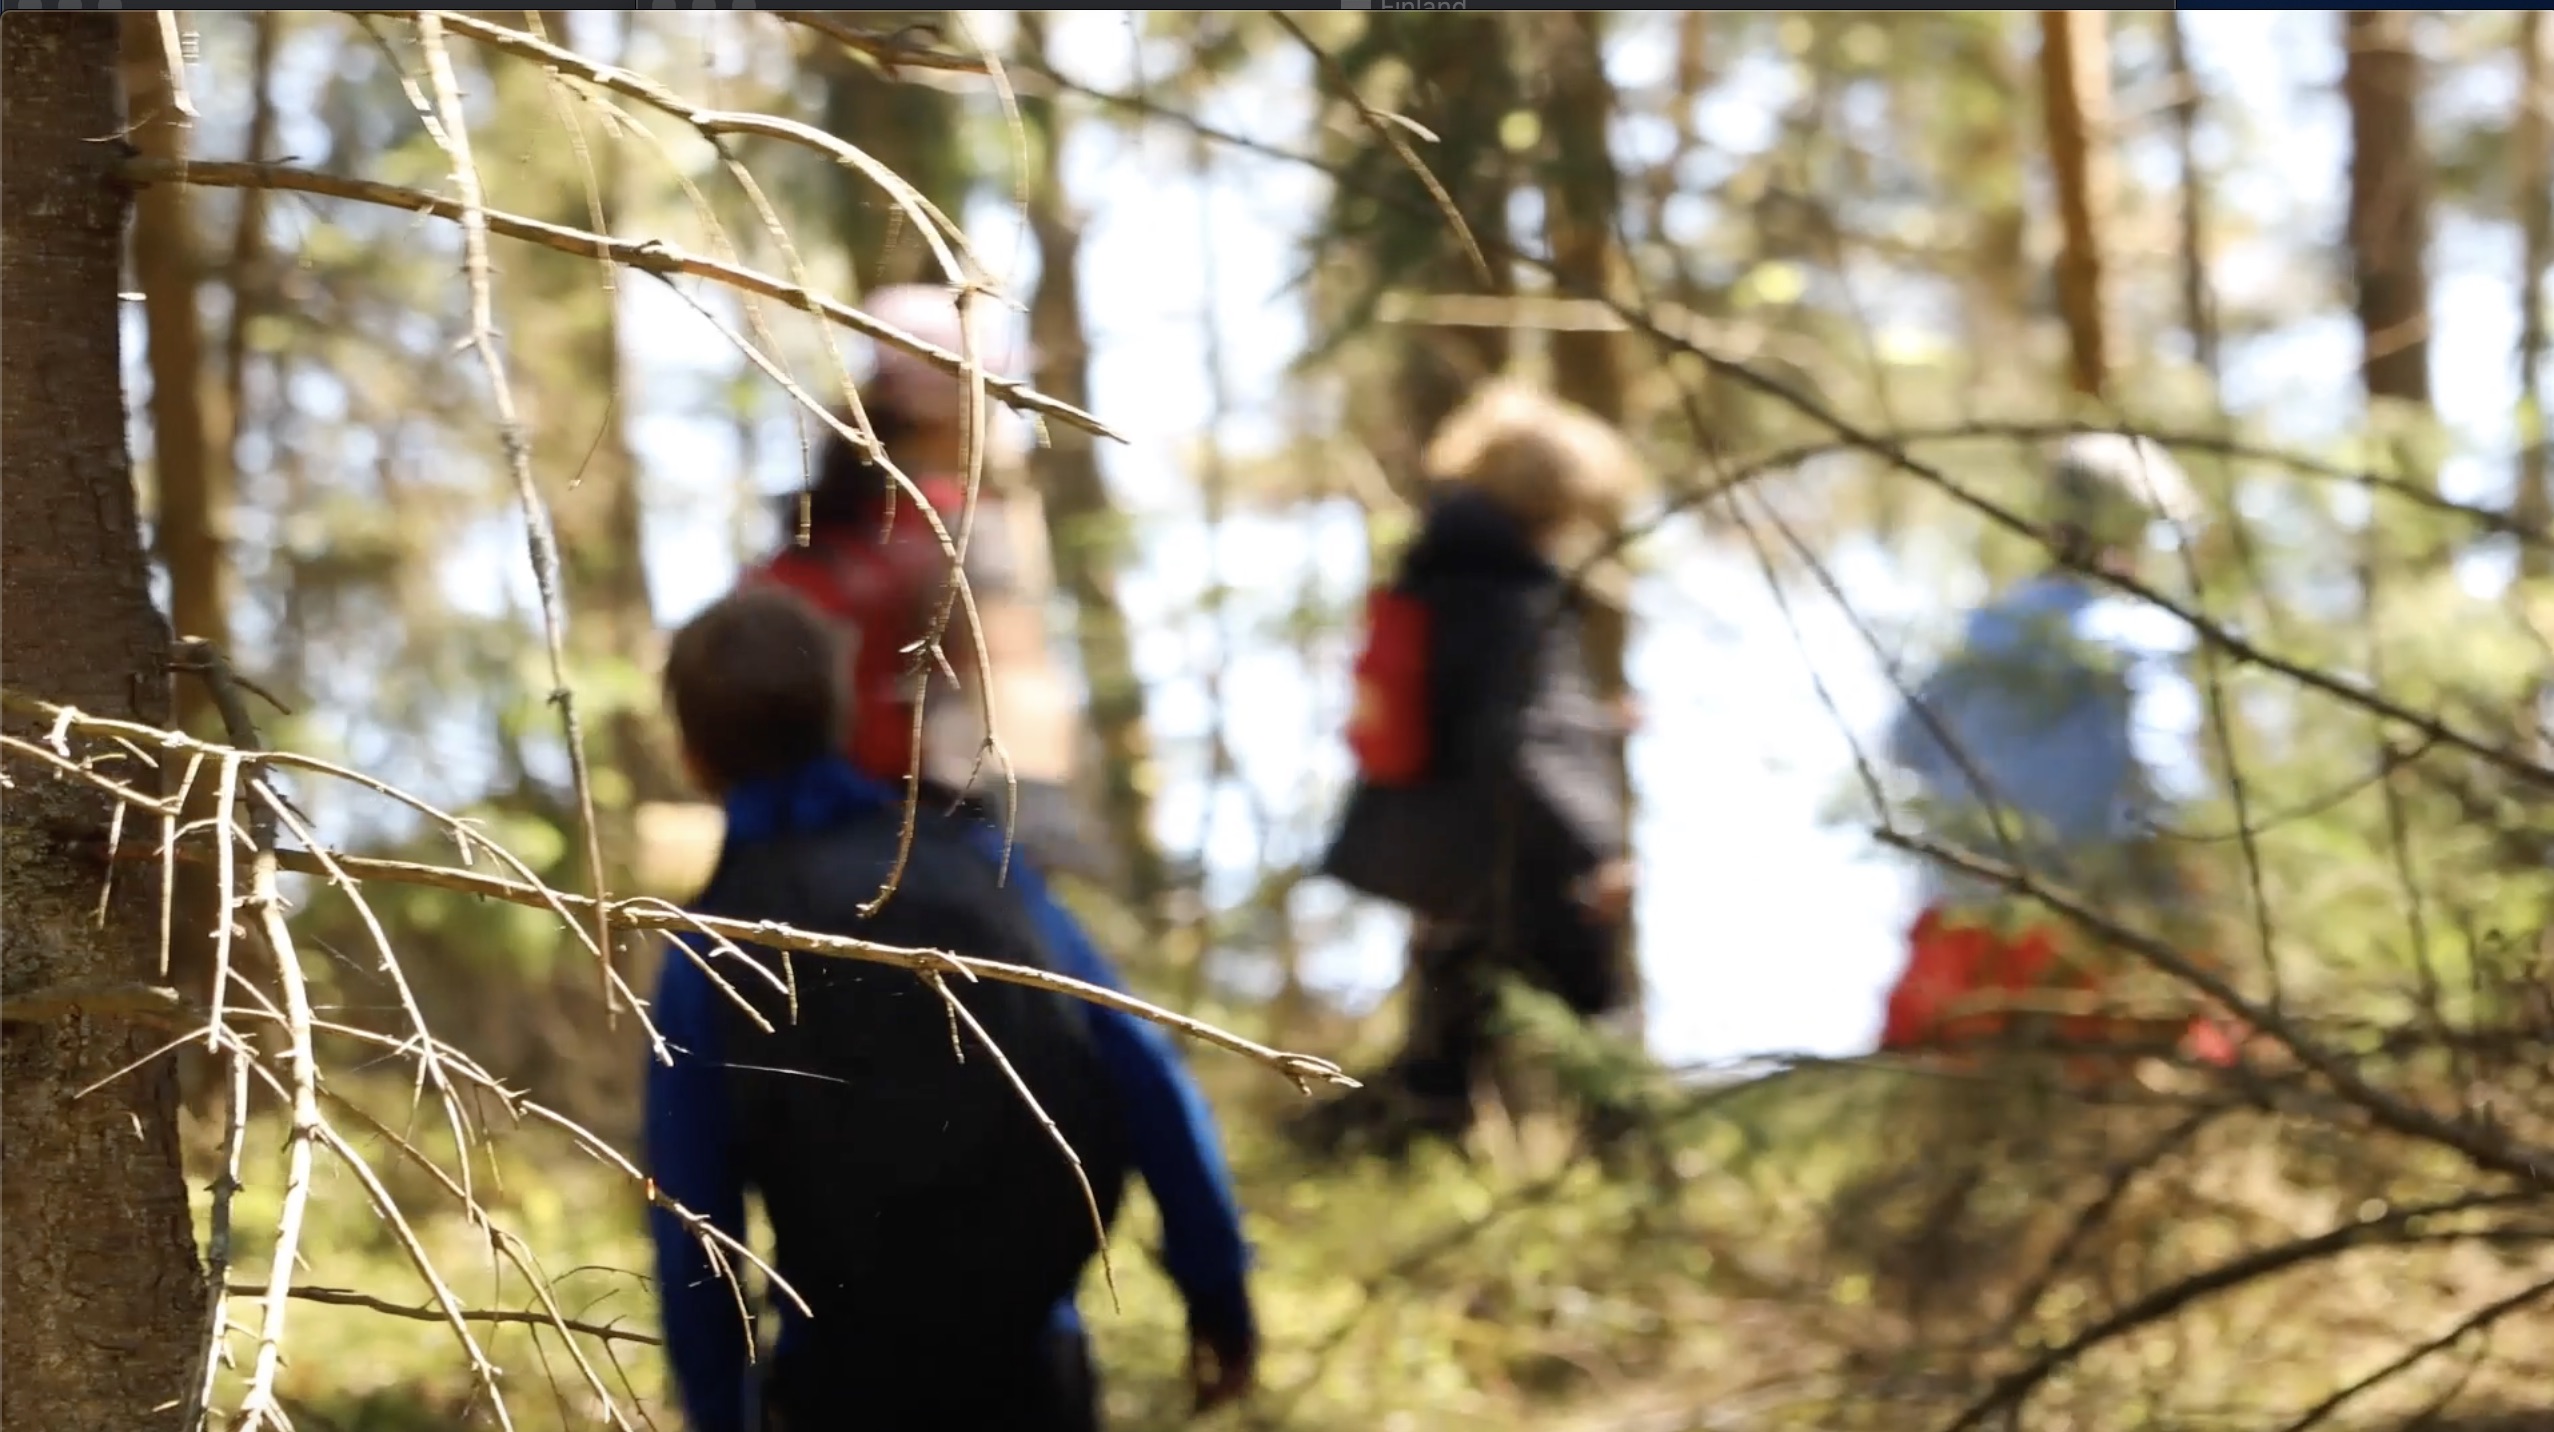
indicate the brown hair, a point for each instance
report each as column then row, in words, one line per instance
column 1551, row 464
column 756, row 685
column 848, row 487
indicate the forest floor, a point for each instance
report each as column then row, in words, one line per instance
column 1717, row 1281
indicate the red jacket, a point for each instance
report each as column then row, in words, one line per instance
column 883, row 594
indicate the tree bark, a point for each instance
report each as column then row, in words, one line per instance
column 1581, row 199
column 191, row 479
column 99, row 1288
column 1463, row 86
column 190, row 482
column 2199, row 306
column 2389, row 204
column 2533, row 154
column 1991, row 149
column 1085, row 530
column 2075, row 85
column 249, row 280
column 915, row 130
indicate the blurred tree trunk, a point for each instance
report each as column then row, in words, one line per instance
column 2533, row 145
column 2199, row 307
column 916, row 130
column 2075, row 87
column 190, row 479
column 248, row 278
column 2532, row 504
column 190, row 484
column 1086, row 534
column 2389, row 223
column 1581, row 203
column 2389, row 204
column 100, row 1296
column 1686, row 83
column 1986, row 144
column 1463, row 89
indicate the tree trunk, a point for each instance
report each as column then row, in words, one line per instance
column 2075, row 86
column 191, row 480
column 190, row 483
column 2533, row 152
column 249, row 279
column 1581, row 198
column 1990, row 148
column 915, row 130
column 1689, row 77
column 2199, row 306
column 1463, row 86
column 100, row 1307
column 2389, row 204
column 2532, row 503
column 1085, row 531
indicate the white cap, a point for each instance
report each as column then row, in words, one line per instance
column 913, row 385
column 2113, row 486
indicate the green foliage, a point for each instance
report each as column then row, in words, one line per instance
column 1744, row 1252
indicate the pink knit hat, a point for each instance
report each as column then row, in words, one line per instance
column 915, row 387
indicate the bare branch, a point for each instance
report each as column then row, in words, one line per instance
column 646, row 255
column 347, row 1298
column 2485, row 1148
column 1388, row 128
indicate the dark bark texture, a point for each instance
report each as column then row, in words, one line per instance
column 98, row 1279
column 2389, row 203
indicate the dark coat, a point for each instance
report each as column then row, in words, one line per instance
column 915, row 1202
column 1522, row 797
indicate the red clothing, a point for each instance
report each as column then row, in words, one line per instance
column 1963, row 981
column 881, row 592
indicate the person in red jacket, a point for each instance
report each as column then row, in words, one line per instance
column 873, row 563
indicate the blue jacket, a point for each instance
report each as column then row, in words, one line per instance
column 2039, row 705
column 1172, row 1132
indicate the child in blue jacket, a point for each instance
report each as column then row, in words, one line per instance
column 915, row 1203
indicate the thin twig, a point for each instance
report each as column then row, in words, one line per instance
column 958, row 1011
column 217, row 1242
column 173, row 47
column 889, row 51
column 2479, row 1320
column 259, row 1405
column 2486, row 1148
column 643, row 914
column 646, row 255
column 455, row 1315
column 347, row 1298
column 453, row 135
column 2395, row 1226
column 1388, row 128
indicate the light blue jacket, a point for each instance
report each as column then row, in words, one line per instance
column 2037, row 710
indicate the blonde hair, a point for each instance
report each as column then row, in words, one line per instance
column 1551, row 464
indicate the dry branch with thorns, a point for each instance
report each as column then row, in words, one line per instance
column 126, row 761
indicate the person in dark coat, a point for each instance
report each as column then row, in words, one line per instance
column 1508, row 841
column 916, row 1202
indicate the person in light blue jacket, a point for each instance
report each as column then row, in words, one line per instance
column 2021, row 748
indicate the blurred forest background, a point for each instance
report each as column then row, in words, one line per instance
column 1839, row 274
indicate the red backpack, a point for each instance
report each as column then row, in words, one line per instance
column 880, row 592
column 1388, row 723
